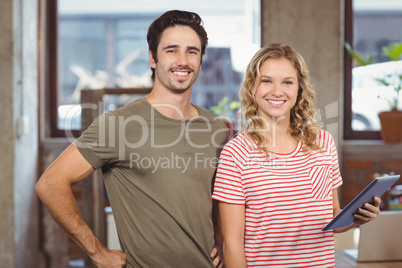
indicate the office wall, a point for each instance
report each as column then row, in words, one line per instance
column 315, row 29
column 363, row 161
column 19, row 224
column 7, row 244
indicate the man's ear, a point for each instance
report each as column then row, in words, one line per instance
column 151, row 59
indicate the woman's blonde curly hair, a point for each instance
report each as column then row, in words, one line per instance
column 303, row 123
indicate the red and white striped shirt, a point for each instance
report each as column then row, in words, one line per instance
column 287, row 198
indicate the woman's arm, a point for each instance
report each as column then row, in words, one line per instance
column 233, row 223
column 216, row 254
column 368, row 213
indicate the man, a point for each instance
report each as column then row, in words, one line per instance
column 158, row 156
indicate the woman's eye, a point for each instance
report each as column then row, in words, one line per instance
column 266, row 81
column 288, row 82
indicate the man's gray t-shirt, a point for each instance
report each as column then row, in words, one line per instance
column 158, row 174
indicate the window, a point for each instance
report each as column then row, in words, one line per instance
column 370, row 25
column 102, row 43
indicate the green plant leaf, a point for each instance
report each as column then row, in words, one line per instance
column 234, row 105
column 354, row 55
column 393, row 51
column 225, row 108
column 382, row 81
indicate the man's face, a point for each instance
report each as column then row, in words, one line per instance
column 179, row 59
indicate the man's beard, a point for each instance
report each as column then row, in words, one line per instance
column 175, row 86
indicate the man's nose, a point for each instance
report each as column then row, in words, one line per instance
column 182, row 58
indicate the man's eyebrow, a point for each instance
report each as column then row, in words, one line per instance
column 170, row 46
column 177, row 46
column 193, row 48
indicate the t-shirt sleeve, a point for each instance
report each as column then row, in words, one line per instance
column 336, row 175
column 228, row 187
column 99, row 142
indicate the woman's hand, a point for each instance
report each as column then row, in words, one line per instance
column 369, row 212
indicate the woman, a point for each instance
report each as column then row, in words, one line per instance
column 277, row 179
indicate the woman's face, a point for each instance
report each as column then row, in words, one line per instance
column 277, row 93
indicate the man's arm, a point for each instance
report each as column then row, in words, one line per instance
column 54, row 189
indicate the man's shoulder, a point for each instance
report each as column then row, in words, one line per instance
column 135, row 107
column 204, row 113
column 121, row 115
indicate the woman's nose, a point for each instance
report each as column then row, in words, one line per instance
column 276, row 90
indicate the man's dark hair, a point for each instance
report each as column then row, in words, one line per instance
column 172, row 18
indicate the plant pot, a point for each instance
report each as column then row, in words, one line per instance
column 391, row 126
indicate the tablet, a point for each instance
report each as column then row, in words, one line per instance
column 376, row 188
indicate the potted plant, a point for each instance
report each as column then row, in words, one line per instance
column 391, row 120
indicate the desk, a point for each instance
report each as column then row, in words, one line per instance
column 344, row 261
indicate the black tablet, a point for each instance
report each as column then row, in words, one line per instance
column 376, row 188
